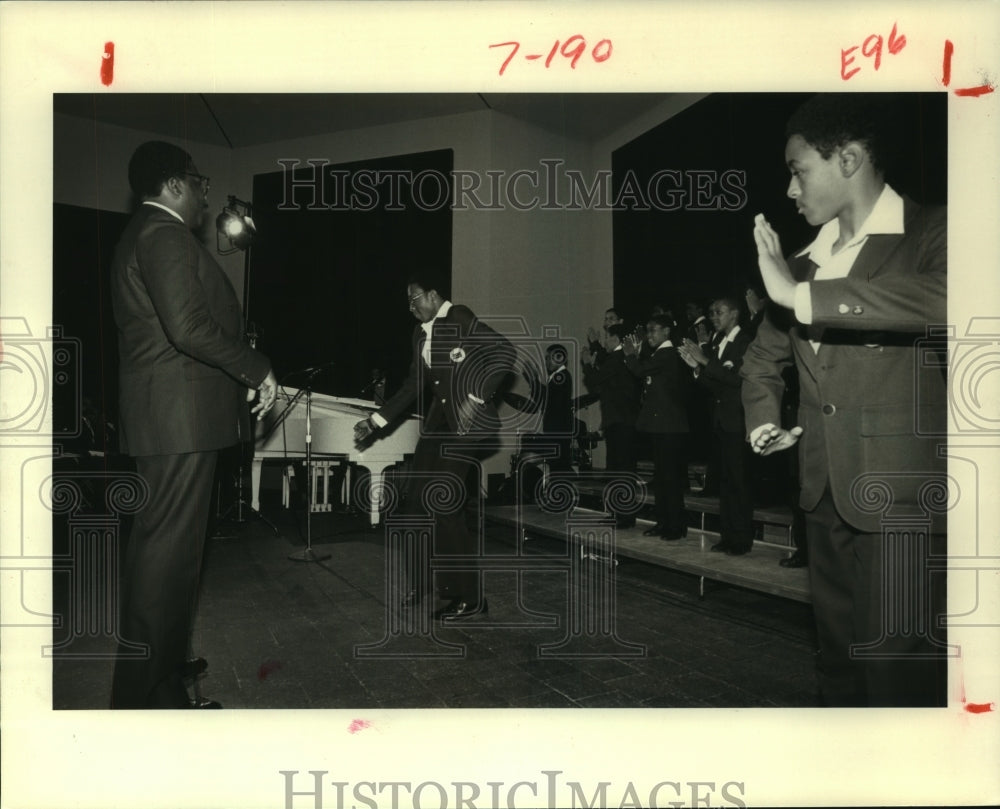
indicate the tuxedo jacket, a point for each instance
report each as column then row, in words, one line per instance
column 663, row 375
column 721, row 376
column 617, row 388
column 872, row 410
column 184, row 366
column 467, row 357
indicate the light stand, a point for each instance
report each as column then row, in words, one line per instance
column 235, row 224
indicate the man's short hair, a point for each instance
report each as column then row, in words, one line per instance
column 152, row 164
column 729, row 301
column 663, row 321
column 429, row 279
column 618, row 330
column 830, row 120
column 611, row 309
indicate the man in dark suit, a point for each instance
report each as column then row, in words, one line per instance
column 862, row 293
column 460, row 362
column 184, row 372
column 718, row 371
column 612, row 381
column 558, row 420
column 663, row 418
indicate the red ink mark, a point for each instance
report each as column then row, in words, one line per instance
column 975, row 92
column 108, row 64
column 949, row 49
column 967, row 92
column 872, row 47
column 358, row 724
column 981, row 707
column 506, row 61
column 573, row 49
column 267, row 668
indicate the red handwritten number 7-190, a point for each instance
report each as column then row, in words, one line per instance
column 573, row 48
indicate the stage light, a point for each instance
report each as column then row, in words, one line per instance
column 235, row 224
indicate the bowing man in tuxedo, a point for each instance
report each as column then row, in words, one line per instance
column 460, row 362
column 663, row 418
column 184, row 369
column 718, row 371
column 862, row 295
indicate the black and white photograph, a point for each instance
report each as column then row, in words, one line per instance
column 508, row 422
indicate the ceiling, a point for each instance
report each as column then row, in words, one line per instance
column 247, row 119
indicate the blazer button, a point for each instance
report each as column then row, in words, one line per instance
column 437, row 381
column 829, row 409
column 859, row 310
column 843, row 308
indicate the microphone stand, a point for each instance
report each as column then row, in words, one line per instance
column 307, row 554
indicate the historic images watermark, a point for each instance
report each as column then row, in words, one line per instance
column 548, row 187
column 548, row 789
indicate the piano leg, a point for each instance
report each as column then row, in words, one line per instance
column 376, row 481
column 255, row 466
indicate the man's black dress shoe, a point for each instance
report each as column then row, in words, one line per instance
column 413, row 598
column 672, row 535
column 201, row 702
column 656, row 531
column 795, row 560
column 458, row 610
column 720, row 547
column 737, row 550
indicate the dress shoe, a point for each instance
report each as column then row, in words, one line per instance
column 459, row 610
column 656, row 531
column 672, row 535
column 720, row 547
column 201, row 702
column 412, row 598
column 795, row 560
column 737, row 550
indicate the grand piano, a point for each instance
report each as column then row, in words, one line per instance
column 281, row 434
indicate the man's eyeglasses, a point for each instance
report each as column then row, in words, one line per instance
column 205, row 182
column 413, row 299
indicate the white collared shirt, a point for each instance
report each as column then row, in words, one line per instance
column 727, row 339
column 558, row 370
column 428, row 328
column 886, row 217
column 162, row 207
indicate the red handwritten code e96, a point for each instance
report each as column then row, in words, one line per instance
column 573, row 49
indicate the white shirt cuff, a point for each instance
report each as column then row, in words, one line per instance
column 378, row 420
column 803, row 303
column 476, row 399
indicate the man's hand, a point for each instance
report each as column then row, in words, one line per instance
column 468, row 411
column 586, row 356
column 268, row 393
column 592, row 335
column 363, row 430
column 773, row 267
column 631, row 344
column 692, row 353
column 770, row 439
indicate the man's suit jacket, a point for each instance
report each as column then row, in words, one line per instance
column 615, row 384
column 184, row 365
column 721, row 376
column 663, row 376
column 467, row 357
column 867, row 403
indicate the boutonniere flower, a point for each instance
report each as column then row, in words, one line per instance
column 457, row 354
